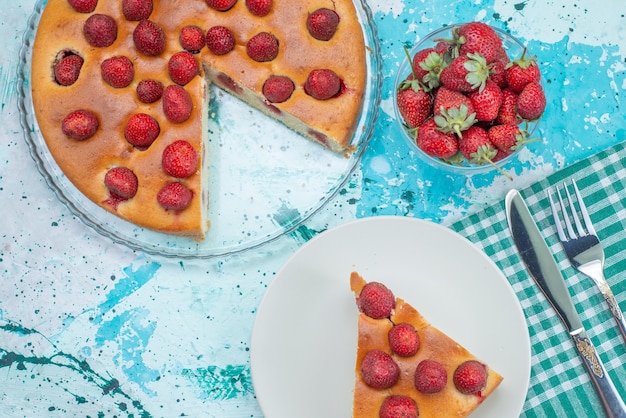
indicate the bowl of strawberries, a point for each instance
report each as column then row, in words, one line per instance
column 469, row 97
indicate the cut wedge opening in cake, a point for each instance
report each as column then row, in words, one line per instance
column 407, row 367
column 121, row 92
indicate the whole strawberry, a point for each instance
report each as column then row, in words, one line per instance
column 149, row 38
column 67, row 69
column 376, row 300
column 470, row 377
column 221, row 5
column 136, row 10
column 83, row 6
column 182, row 67
column 487, row 101
column 262, row 47
column 508, row 138
column 427, row 66
column 507, row 115
column 220, row 40
column 121, row 182
column 278, row 88
column 100, row 30
column 531, row 102
column 259, row 7
column 322, row 84
column 149, row 90
column 177, row 104
column 118, row 71
column 465, row 73
column 179, row 159
column 430, row 376
column 322, row 23
column 398, row 406
column 476, row 146
column 478, row 37
column 434, row 142
column 414, row 104
column 379, row 370
column 192, row 38
column 403, row 339
column 453, row 111
column 141, row 130
column 80, row 124
column 175, row 196
column 522, row 71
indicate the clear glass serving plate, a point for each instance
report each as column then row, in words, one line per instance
column 261, row 186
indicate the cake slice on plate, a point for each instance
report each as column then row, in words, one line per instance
column 405, row 367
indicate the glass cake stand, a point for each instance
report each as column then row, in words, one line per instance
column 261, row 186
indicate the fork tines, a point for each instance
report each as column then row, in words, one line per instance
column 587, row 230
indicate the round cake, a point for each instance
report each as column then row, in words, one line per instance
column 120, row 91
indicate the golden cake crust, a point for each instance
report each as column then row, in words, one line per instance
column 434, row 344
column 86, row 162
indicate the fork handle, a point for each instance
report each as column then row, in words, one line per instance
column 609, row 397
column 614, row 307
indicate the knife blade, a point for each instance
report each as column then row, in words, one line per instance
column 539, row 261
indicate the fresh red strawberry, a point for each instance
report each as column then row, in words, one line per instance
column 177, row 104
column 414, row 104
column 80, row 124
column 434, row 142
column 478, row 37
column 403, row 339
column 531, row 102
column 398, row 406
column 522, row 71
column 67, row 69
column 430, row 376
column 497, row 73
column 322, row 23
column 487, row 101
column 278, row 88
column 453, row 111
column 149, row 90
column 507, row 115
column 376, row 300
column 508, row 138
column 262, row 47
column 149, row 38
column 136, row 10
column 427, row 66
column 476, row 146
column 83, row 6
column 100, row 30
column 221, row 5
column 121, row 182
column 179, row 159
column 141, row 130
column 470, row 377
column 259, row 7
column 174, row 196
column 322, row 84
column 192, row 38
column 182, row 67
column 379, row 370
column 118, row 71
column 220, row 40
column 465, row 73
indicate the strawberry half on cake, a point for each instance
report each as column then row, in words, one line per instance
column 120, row 91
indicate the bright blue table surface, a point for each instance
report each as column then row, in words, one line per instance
column 81, row 316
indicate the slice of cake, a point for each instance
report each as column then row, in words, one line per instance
column 120, row 91
column 405, row 367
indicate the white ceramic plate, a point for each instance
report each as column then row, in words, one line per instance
column 304, row 339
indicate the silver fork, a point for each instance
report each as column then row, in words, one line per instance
column 583, row 248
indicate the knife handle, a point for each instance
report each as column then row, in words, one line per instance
column 609, row 397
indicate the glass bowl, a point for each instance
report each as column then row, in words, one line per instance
column 514, row 49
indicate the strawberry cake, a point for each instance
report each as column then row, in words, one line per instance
column 405, row 367
column 120, row 91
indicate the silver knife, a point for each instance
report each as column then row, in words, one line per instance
column 543, row 268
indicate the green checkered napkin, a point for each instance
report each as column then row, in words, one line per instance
column 559, row 385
